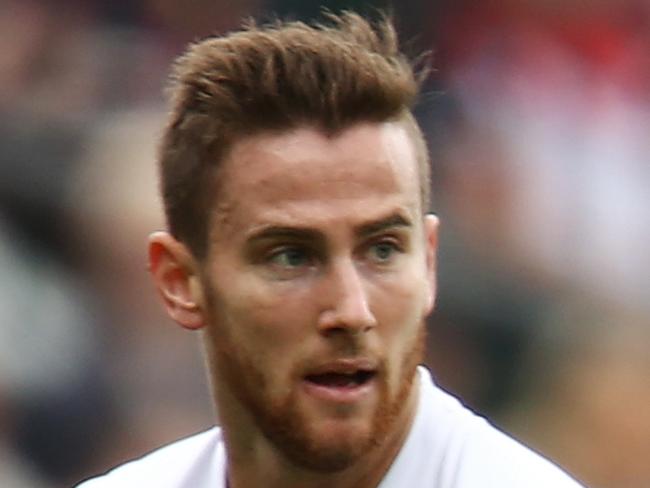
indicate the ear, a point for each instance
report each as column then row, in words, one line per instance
column 431, row 224
column 175, row 274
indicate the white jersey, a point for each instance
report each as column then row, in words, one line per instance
column 448, row 446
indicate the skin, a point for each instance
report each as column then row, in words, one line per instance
column 319, row 254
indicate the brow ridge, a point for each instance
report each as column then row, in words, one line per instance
column 395, row 219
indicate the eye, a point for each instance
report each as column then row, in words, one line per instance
column 383, row 252
column 290, row 258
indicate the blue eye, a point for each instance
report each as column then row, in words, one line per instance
column 383, row 251
column 290, row 258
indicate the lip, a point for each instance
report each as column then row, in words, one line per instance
column 344, row 366
column 341, row 394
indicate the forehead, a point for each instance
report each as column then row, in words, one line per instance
column 306, row 173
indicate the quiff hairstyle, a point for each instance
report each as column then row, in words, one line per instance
column 274, row 78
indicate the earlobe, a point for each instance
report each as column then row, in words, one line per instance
column 176, row 278
column 431, row 224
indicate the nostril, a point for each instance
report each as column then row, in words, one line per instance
column 332, row 324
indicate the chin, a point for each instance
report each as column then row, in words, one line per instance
column 334, row 440
column 335, row 450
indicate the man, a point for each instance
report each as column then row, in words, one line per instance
column 296, row 187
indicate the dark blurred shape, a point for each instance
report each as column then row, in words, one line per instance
column 538, row 119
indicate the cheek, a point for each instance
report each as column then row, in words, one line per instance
column 402, row 301
column 265, row 320
column 400, row 309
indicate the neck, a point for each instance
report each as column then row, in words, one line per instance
column 254, row 461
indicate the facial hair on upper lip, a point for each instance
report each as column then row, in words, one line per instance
column 283, row 423
column 279, row 417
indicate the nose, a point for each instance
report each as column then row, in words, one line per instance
column 346, row 300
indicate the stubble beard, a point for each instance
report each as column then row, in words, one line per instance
column 286, row 427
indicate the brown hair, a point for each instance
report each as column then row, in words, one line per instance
column 276, row 77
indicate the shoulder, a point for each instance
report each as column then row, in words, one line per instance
column 493, row 458
column 463, row 450
column 170, row 466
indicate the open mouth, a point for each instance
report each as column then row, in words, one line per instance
column 341, row 380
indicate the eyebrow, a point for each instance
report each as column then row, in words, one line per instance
column 390, row 222
column 305, row 233
column 278, row 231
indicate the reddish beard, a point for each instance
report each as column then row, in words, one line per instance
column 284, row 424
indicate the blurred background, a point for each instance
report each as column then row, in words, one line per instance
column 538, row 119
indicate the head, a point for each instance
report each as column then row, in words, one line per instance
column 272, row 79
column 296, row 186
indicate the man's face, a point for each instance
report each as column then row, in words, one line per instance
column 317, row 281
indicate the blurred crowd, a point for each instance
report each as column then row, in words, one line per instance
column 538, row 119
